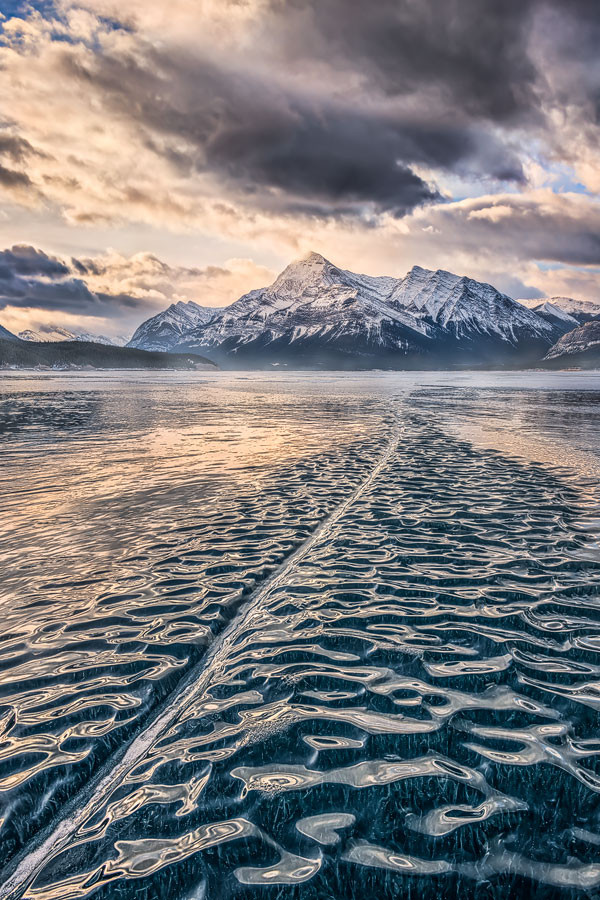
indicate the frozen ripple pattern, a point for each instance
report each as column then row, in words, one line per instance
column 392, row 675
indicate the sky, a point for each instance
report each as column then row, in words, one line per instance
column 153, row 152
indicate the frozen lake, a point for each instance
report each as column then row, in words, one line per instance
column 300, row 635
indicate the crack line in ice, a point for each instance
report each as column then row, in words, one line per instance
column 12, row 885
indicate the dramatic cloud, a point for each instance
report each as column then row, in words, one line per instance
column 31, row 279
column 540, row 225
column 113, row 290
column 411, row 130
column 329, row 111
column 24, row 260
column 473, row 59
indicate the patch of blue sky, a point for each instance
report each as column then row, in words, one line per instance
column 565, row 181
column 10, row 8
column 457, row 187
column 48, row 9
column 559, row 176
column 561, row 266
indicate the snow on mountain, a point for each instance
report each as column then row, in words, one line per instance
column 579, row 310
column 317, row 313
column 316, row 306
column 6, row 335
column 547, row 308
column 48, row 333
column 54, row 333
column 166, row 329
column 465, row 307
column 585, row 339
column 311, row 299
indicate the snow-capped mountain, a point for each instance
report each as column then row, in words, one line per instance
column 550, row 310
column 574, row 310
column 311, row 305
column 464, row 307
column 557, row 317
column 165, row 330
column 6, row 335
column 579, row 346
column 317, row 313
column 54, row 333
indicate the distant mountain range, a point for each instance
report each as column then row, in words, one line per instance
column 171, row 326
column 579, row 311
column 55, row 333
column 316, row 314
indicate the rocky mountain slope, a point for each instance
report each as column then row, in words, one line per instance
column 579, row 347
column 315, row 313
column 579, row 311
column 165, row 330
column 6, row 335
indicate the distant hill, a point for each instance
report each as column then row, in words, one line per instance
column 71, row 354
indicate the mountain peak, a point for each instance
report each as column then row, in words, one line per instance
column 165, row 329
column 310, row 269
column 419, row 271
column 547, row 307
column 310, row 262
column 313, row 257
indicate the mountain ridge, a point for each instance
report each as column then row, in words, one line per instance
column 56, row 333
column 165, row 329
column 579, row 310
column 316, row 313
column 581, row 346
column 6, row 335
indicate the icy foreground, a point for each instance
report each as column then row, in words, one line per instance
column 308, row 636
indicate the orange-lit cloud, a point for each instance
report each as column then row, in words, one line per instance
column 359, row 130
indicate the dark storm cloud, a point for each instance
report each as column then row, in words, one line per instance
column 23, row 259
column 438, row 84
column 31, row 278
column 283, row 148
column 475, row 54
column 340, row 155
column 263, row 139
column 10, row 178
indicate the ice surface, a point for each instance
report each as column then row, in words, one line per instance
column 329, row 634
